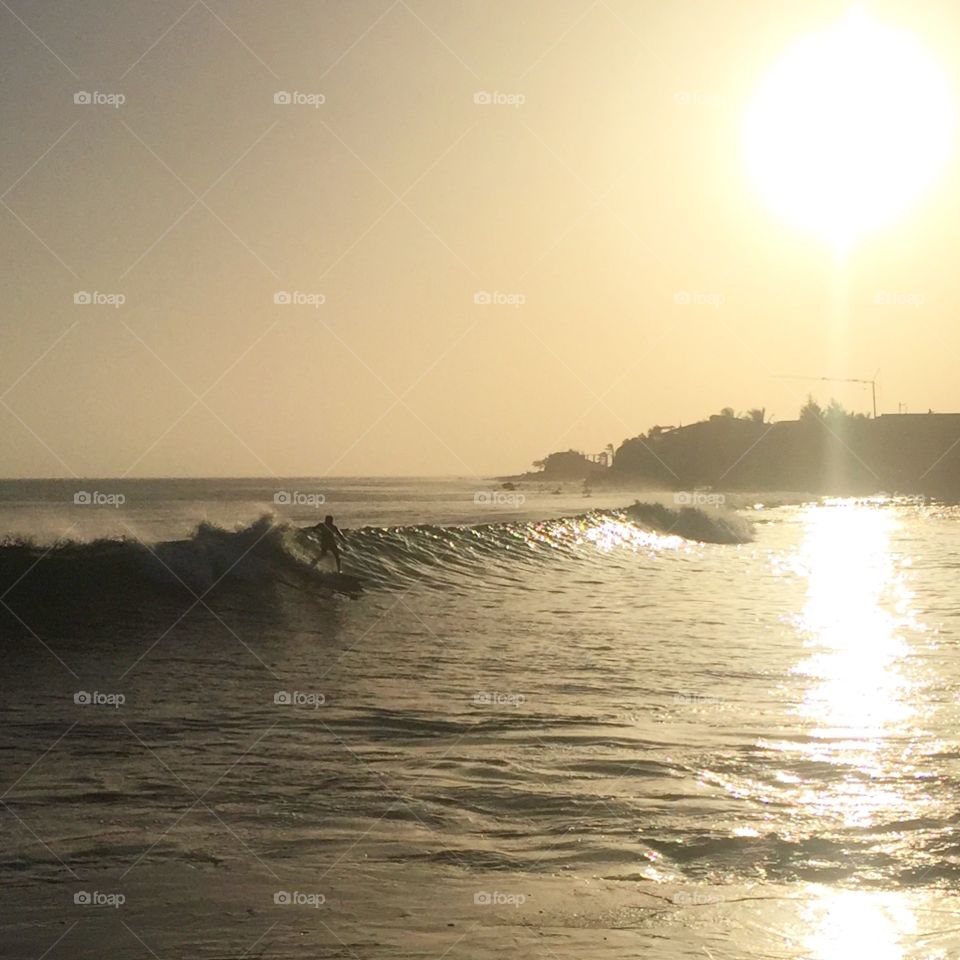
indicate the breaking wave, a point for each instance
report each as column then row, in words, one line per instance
column 271, row 555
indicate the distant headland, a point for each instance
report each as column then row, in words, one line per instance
column 825, row 451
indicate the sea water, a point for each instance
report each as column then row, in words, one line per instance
column 533, row 693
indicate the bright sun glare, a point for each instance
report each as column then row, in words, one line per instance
column 850, row 127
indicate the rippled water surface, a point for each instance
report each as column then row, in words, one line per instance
column 575, row 695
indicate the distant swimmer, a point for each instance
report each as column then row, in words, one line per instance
column 328, row 532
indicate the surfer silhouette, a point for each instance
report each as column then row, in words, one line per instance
column 328, row 532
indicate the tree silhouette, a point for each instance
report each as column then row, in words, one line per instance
column 811, row 410
column 835, row 411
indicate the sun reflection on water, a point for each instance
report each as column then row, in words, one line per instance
column 859, row 702
column 612, row 533
column 850, row 923
column 853, row 618
column 857, row 697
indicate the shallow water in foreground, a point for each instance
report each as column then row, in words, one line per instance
column 542, row 733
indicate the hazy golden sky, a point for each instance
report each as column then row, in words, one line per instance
column 601, row 195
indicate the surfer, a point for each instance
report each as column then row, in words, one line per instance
column 328, row 532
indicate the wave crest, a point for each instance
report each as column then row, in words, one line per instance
column 268, row 555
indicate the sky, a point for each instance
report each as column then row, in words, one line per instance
column 504, row 227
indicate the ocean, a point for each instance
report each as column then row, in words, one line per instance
column 547, row 725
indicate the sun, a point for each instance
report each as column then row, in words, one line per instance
column 849, row 129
